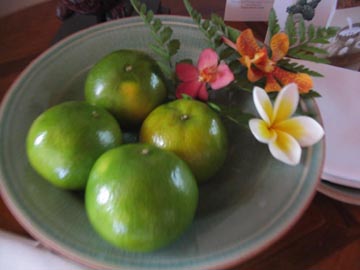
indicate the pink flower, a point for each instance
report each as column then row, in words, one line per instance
column 208, row 71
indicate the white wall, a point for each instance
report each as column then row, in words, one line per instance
column 10, row 6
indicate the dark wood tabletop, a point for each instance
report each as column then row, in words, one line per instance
column 326, row 237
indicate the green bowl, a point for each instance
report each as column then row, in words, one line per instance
column 248, row 205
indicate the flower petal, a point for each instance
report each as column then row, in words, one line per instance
column 271, row 84
column 286, row 103
column 285, row 148
column 263, row 104
column 208, row 58
column 303, row 128
column 259, row 128
column 246, row 43
column 246, row 61
column 224, row 76
column 189, row 88
column 303, row 81
column 203, row 93
column 279, row 45
column 262, row 61
column 186, row 72
column 253, row 74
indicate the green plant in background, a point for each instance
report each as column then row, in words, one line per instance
column 304, row 39
column 305, row 8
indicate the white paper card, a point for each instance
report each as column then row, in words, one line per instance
column 247, row 10
column 339, row 109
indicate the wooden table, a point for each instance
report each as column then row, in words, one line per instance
column 327, row 237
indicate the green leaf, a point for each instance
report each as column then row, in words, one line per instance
column 205, row 24
column 235, row 114
column 188, row 7
column 297, row 68
column 311, row 94
column 165, row 34
column 197, row 17
column 309, row 57
column 302, row 31
column 214, row 106
column 332, row 31
column 165, row 68
column 217, row 20
column 233, row 33
column 159, row 50
column 311, row 32
column 156, row 38
column 173, row 46
column 217, row 40
column 290, row 29
column 319, row 32
column 244, row 84
column 273, row 23
column 136, row 4
column 143, row 8
column 308, row 39
column 149, row 16
column 308, row 34
column 165, row 47
column 156, row 25
column 212, row 31
column 187, row 97
column 326, row 33
column 237, row 68
column 312, row 49
column 227, row 52
column 320, row 41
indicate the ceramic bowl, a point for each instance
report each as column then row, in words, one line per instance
column 248, row 205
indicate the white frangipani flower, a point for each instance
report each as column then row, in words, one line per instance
column 284, row 134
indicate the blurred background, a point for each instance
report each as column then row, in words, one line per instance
column 7, row 7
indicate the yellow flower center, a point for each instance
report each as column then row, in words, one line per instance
column 208, row 74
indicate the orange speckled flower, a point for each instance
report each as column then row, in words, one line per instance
column 260, row 65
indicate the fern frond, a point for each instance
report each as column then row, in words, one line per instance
column 165, row 47
column 273, row 23
column 305, row 40
column 290, row 30
column 296, row 67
